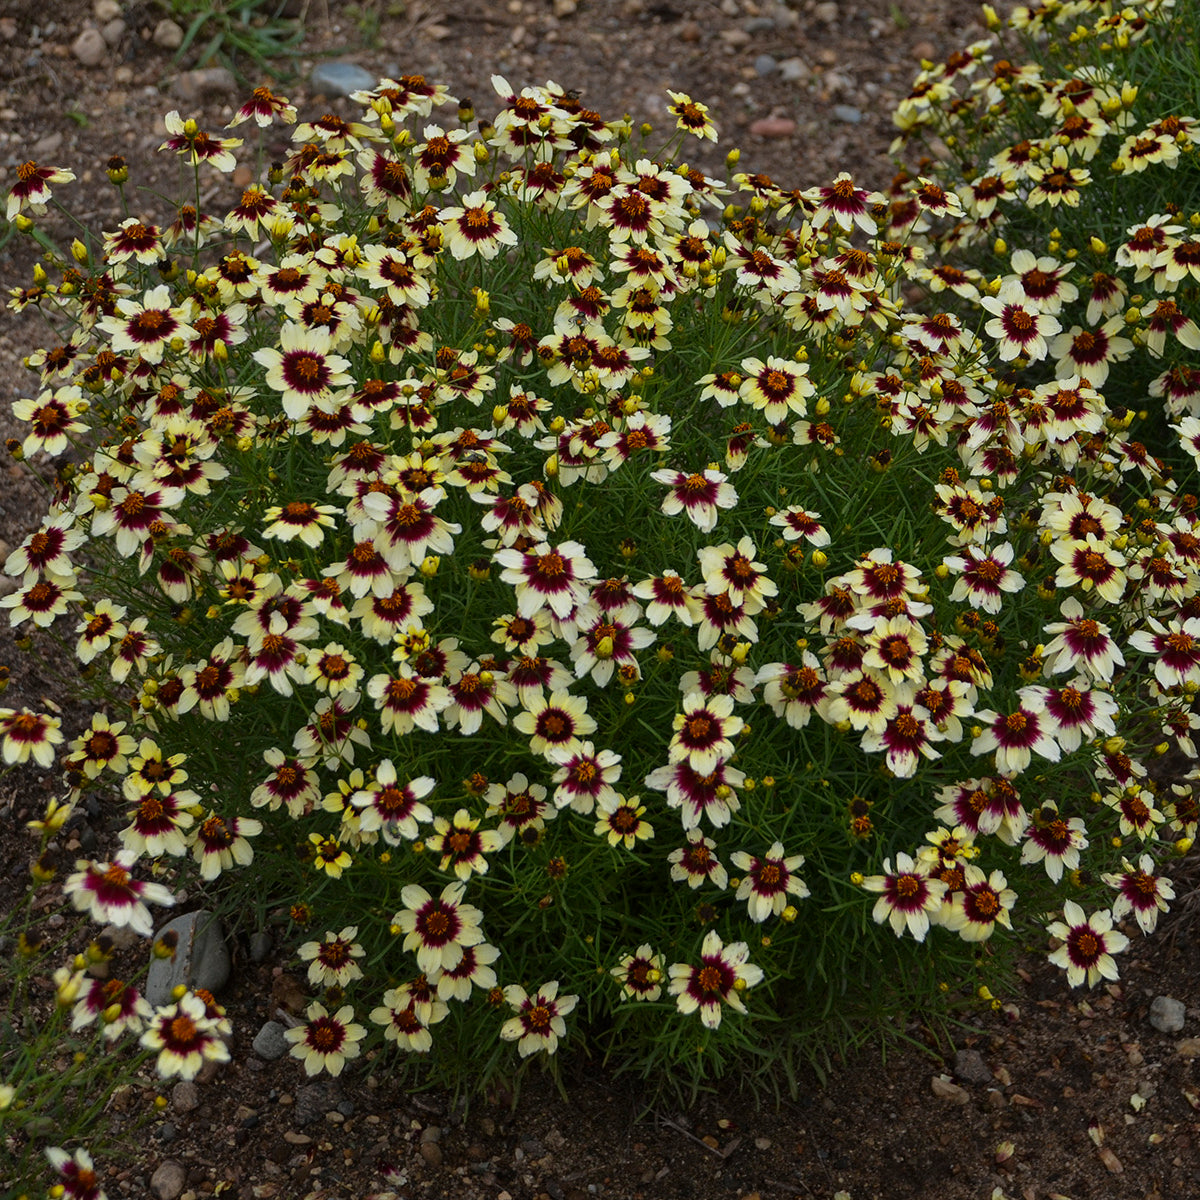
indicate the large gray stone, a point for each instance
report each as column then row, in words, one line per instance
column 269, row 1042
column 340, row 78
column 1167, row 1014
column 201, row 958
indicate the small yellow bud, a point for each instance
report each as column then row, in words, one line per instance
column 856, row 878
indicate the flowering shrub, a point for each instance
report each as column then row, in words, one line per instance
column 599, row 613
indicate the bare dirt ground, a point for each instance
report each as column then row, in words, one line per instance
column 1041, row 1101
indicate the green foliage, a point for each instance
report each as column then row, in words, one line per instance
column 238, row 35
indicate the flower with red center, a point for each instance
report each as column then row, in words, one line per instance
column 1020, row 328
column 220, row 842
column 640, row 974
column 1017, row 735
column 521, row 806
column 712, row 795
column 691, row 116
column 621, row 822
column 134, row 239
column 555, row 726
column 908, row 896
column 844, row 204
column 463, row 847
column 984, row 576
column 1054, row 841
column 724, row 972
column 1138, row 815
column 700, row 495
column 1088, row 944
column 1080, row 713
column 795, row 692
column 776, row 388
column 697, row 863
column 1176, row 649
column 983, row 902
column 77, row 1177
column 326, row 1042
column 1090, row 563
column 110, row 895
column 123, row 1008
column 27, row 735
column 668, row 595
column 547, row 576
column 192, row 143
column 303, row 370
column 905, row 739
column 406, row 1020
column 331, row 962
column 867, row 701
column 894, row 649
column 148, row 327
column 539, row 1021
column 797, row 522
column 1140, row 892
column 32, row 189
column 703, row 732
column 769, row 881
column 406, row 700
column 394, row 810
column 606, row 643
column 263, row 107
column 1087, row 353
column 438, row 929
column 476, row 228
column 733, row 570
column 1081, row 644
column 158, row 823
column 53, row 417
column 585, row 779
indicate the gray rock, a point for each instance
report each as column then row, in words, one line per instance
column 970, row 1067
column 847, row 113
column 314, row 1100
column 201, row 958
column 269, row 1042
column 113, row 31
column 185, row 1096
column 90, row 47
column 168, row 34
column 168, row 1180
column 260, row 946
column 827, row 12
column 106, row 10
column 166, row 1132
column 1167, row 1014
column 765, row 64
column 759, row 25
column 340, row 78
column 794, row 70
column 195, row 86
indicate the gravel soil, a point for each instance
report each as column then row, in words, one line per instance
column 1058, row 1094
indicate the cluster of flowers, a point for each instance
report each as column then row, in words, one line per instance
column 401, row 443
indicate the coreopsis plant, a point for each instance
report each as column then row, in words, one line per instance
column 597, row 595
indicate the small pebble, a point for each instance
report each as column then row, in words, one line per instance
column 924, row 50
column 759, row 25
column 827, row 12
column 765, row 64
column 90, row 48
column 794, row 70
column 848, row 114
column 260, row 941
column 1167, row 1014
column 168, row 1180
column 944, row 1089
column 773, row 127
column 166, row 1132
column 340, row 78
column 106, row 10
column 113, row 31
column 431, row 1152
column 194, row 86
column 970, row 1067
column 185, row 1097
column 168, row 34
